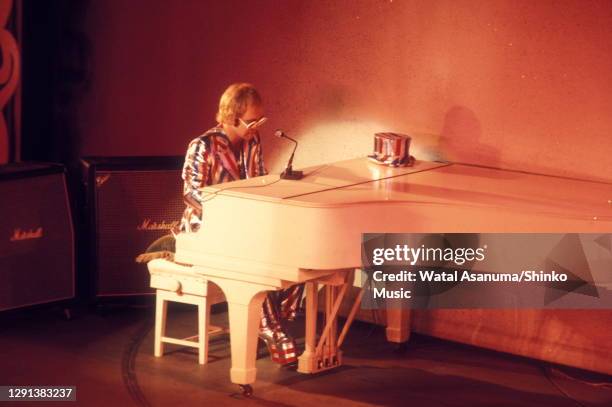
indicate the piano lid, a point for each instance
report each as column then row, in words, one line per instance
column 316, row 179
column 360, row 181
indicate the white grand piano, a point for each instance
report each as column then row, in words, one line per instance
column 266, row 234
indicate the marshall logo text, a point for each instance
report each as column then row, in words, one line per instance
column 19, row 234
column 148, row 224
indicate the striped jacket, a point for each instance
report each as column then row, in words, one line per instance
column 210, row 160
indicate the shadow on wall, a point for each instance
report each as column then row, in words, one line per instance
column 332, row 102
column 460, row 140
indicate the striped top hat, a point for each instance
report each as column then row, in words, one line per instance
column 392, row 149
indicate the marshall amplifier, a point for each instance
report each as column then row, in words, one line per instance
column 36, row 236
column 131, row 202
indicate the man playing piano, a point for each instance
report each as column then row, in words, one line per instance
column 227, row 152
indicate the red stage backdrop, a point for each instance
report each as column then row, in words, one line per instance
column 513, row 84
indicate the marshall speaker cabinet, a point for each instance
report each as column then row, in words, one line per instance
column 131, row 202
column 36, row 236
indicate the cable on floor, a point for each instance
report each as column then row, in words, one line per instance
column 546, row 369
column 128, row 363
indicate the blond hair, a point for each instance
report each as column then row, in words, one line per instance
column 234, row 102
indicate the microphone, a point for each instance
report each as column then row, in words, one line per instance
column 289, row 173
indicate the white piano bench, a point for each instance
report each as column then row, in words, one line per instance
column 174, row 282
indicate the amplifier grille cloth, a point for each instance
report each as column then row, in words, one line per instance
column 36, row 242
column 133, row 209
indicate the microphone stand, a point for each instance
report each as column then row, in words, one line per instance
column 289, row 173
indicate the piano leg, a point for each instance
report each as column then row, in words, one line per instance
column 244, row 303
column 398, row 324
column 398, row 317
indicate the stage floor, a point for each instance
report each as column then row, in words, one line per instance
column 108, row 355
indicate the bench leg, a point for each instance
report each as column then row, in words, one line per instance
column 203, row 321
column 161, row 310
